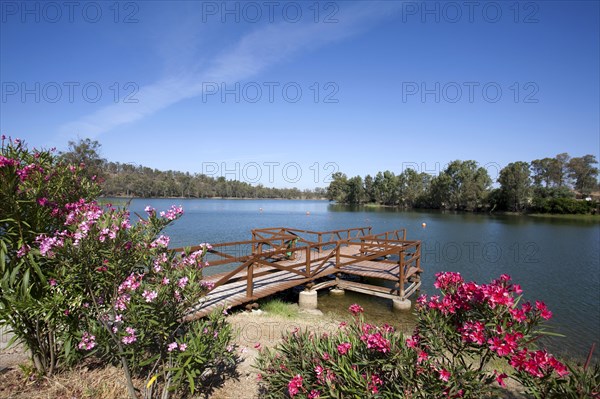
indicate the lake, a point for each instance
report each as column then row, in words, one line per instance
column 554, row 260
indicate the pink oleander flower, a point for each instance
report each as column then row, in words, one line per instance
column 355, row 309
column 172, row 346
column 295, row 385
column 314, row 394
column 122, row 301
column 24, row 250
column 500, row 378
column 52, row 282
column 149, row 296
column 412, row 342
column 182, row 347
column 319, row 370
column 182, row 282
column 444, row 375
column 446, row 280
column 87, row 342
column 344, row 347
column 375, row 383
column 131, row 283
column 422, row 356
column 162, row 242
column 544, row 312
column 377, row 342
column 473, row 332
column 172, row 213
column 131, row 338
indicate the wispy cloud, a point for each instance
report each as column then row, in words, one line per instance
column 252, row 54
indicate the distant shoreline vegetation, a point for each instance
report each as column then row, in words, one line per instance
column 559, row 185
column 127, row 180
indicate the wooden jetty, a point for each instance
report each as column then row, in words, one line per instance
column 279, row 258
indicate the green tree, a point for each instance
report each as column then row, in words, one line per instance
column 86, row 152
column 546, row 171
column 462, row 185
column 413, row 187
column 515, row 186
column 338, row 188
column 386, row 188
column 583, row 173
column 355, row 191
column 552, row 172
column 370, row 189
column 562, row 171
column 439, row 192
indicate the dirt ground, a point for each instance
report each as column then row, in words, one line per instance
column 108, row 383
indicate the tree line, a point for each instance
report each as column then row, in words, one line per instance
column 123, row 179
column 550, row 185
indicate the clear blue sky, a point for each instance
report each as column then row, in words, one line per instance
column 399, row 83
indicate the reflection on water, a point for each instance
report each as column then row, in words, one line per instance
column 555, row 260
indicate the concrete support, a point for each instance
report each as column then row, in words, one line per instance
column 401, row 304
column 337, row 292
column 308, row 299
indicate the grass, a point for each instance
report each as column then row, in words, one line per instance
column 583, row 217
column 277, row 307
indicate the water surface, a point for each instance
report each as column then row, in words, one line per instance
column 554, row 260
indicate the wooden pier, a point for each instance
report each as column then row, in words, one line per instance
column 276, row 259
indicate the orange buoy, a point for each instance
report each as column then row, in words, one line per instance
column 424, row 224
column 307, row 213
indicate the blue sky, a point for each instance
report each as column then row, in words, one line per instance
column 285, row 93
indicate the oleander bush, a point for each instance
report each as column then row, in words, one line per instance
column 35, row 188
column 83, row 280
column 460, row 335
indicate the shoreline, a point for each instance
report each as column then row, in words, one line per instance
column 123, row 197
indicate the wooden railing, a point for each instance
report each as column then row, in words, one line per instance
column 310, row 237
column 309, row 259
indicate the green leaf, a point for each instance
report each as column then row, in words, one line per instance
column 191, row 382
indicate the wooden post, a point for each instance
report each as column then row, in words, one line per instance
column 307, row 261
column 320, row 241
column 401, row 274
column 250, row 281
column 337, row 254
column 418, row 253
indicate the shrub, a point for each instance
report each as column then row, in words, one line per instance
column 459, row 336
column 34, row 189
column 131, row 295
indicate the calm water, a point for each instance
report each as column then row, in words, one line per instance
column 555, row 260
